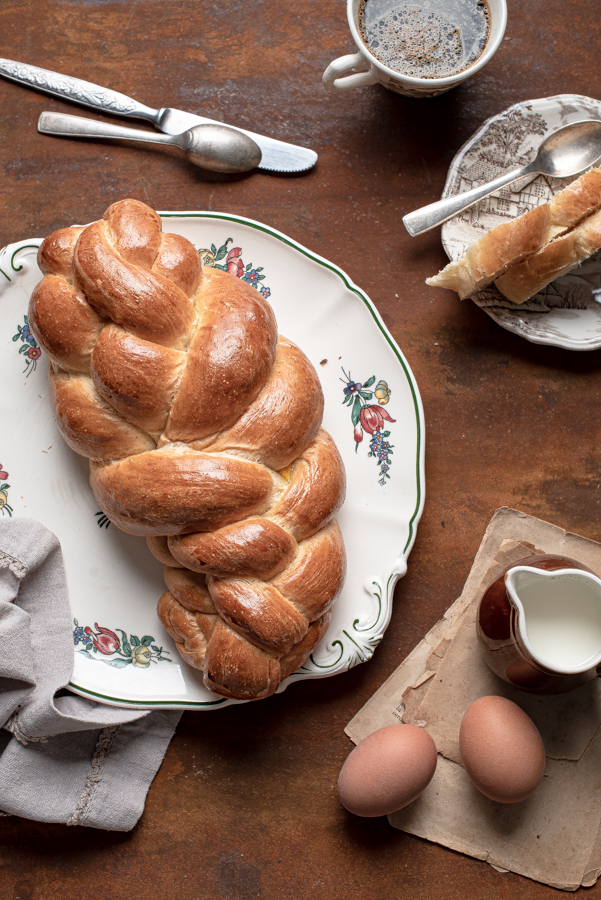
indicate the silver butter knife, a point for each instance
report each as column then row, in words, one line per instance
column 277, row 156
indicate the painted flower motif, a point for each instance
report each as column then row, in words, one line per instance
column 28, row 347
column 79, row 636
column 127, row 651
column 104, row 640
column 367, row 417
column 5, row 507
column 233, row 262
column 230, row 260
column 372, row 418
column 382, row 393
column 207, row 257
column 141, row 656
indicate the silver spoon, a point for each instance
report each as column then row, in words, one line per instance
column 214, row 147
column 568, row 151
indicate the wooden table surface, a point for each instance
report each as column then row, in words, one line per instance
column 245, row 804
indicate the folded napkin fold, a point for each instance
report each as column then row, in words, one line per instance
column 64, row 758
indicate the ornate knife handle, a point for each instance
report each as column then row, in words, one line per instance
column 83, row 92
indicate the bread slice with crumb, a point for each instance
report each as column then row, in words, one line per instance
column 513, row 243
column 527, row 278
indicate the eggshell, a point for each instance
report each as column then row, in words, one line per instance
column 501, row 749
column 387, row 770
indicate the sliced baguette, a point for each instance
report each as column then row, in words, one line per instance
column 579, row 200
column 513, row 242
column 495, row 251
column 529, row 277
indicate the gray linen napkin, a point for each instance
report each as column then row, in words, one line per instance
column 65, row 758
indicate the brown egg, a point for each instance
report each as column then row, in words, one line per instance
column 501, row 749
column 388, row 770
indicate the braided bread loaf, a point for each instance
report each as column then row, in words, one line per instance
column 202, row 427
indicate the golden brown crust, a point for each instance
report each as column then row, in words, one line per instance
column 66, row 324
column 315, row 491
column 315, row 576
column 138, row 378
column 576, row 202
column 136, row 229
column 251, row 548
column 178, row 261
column 230, row 357
column 284, row 418
column 190, row 589
column 175, row 490
column 233, row 667
column 257, row 610
column 159, row 547
column 525, row 279
column 88, row 425
column 55, row 255
column 203, row 431
column 143, row 302
column 299, row 654
column 190, row 630
column 285, row 618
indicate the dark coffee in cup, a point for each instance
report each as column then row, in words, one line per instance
column 428, row 39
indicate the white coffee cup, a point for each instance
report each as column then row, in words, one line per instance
column 362, row 68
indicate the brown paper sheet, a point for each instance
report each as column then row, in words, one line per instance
column 555, row 835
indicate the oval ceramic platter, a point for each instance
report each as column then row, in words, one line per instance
column 123, row 656
column 567, row 313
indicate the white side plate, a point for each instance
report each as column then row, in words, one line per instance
column 114, row 582
column 567, row 313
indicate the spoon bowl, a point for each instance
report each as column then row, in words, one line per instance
column 217, row 148
column 569, row 150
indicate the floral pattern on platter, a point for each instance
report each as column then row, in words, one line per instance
column 367, row 417
column 5, row 507
column 29, row 347
column 124, row 651
column 233, row 263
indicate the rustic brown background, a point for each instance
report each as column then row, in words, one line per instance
column 245, row 804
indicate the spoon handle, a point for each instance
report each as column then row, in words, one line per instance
column 77, row 126
column 436, row 213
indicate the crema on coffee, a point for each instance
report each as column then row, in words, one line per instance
column 428, row 39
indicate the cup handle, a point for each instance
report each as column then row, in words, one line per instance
column 332, row 75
